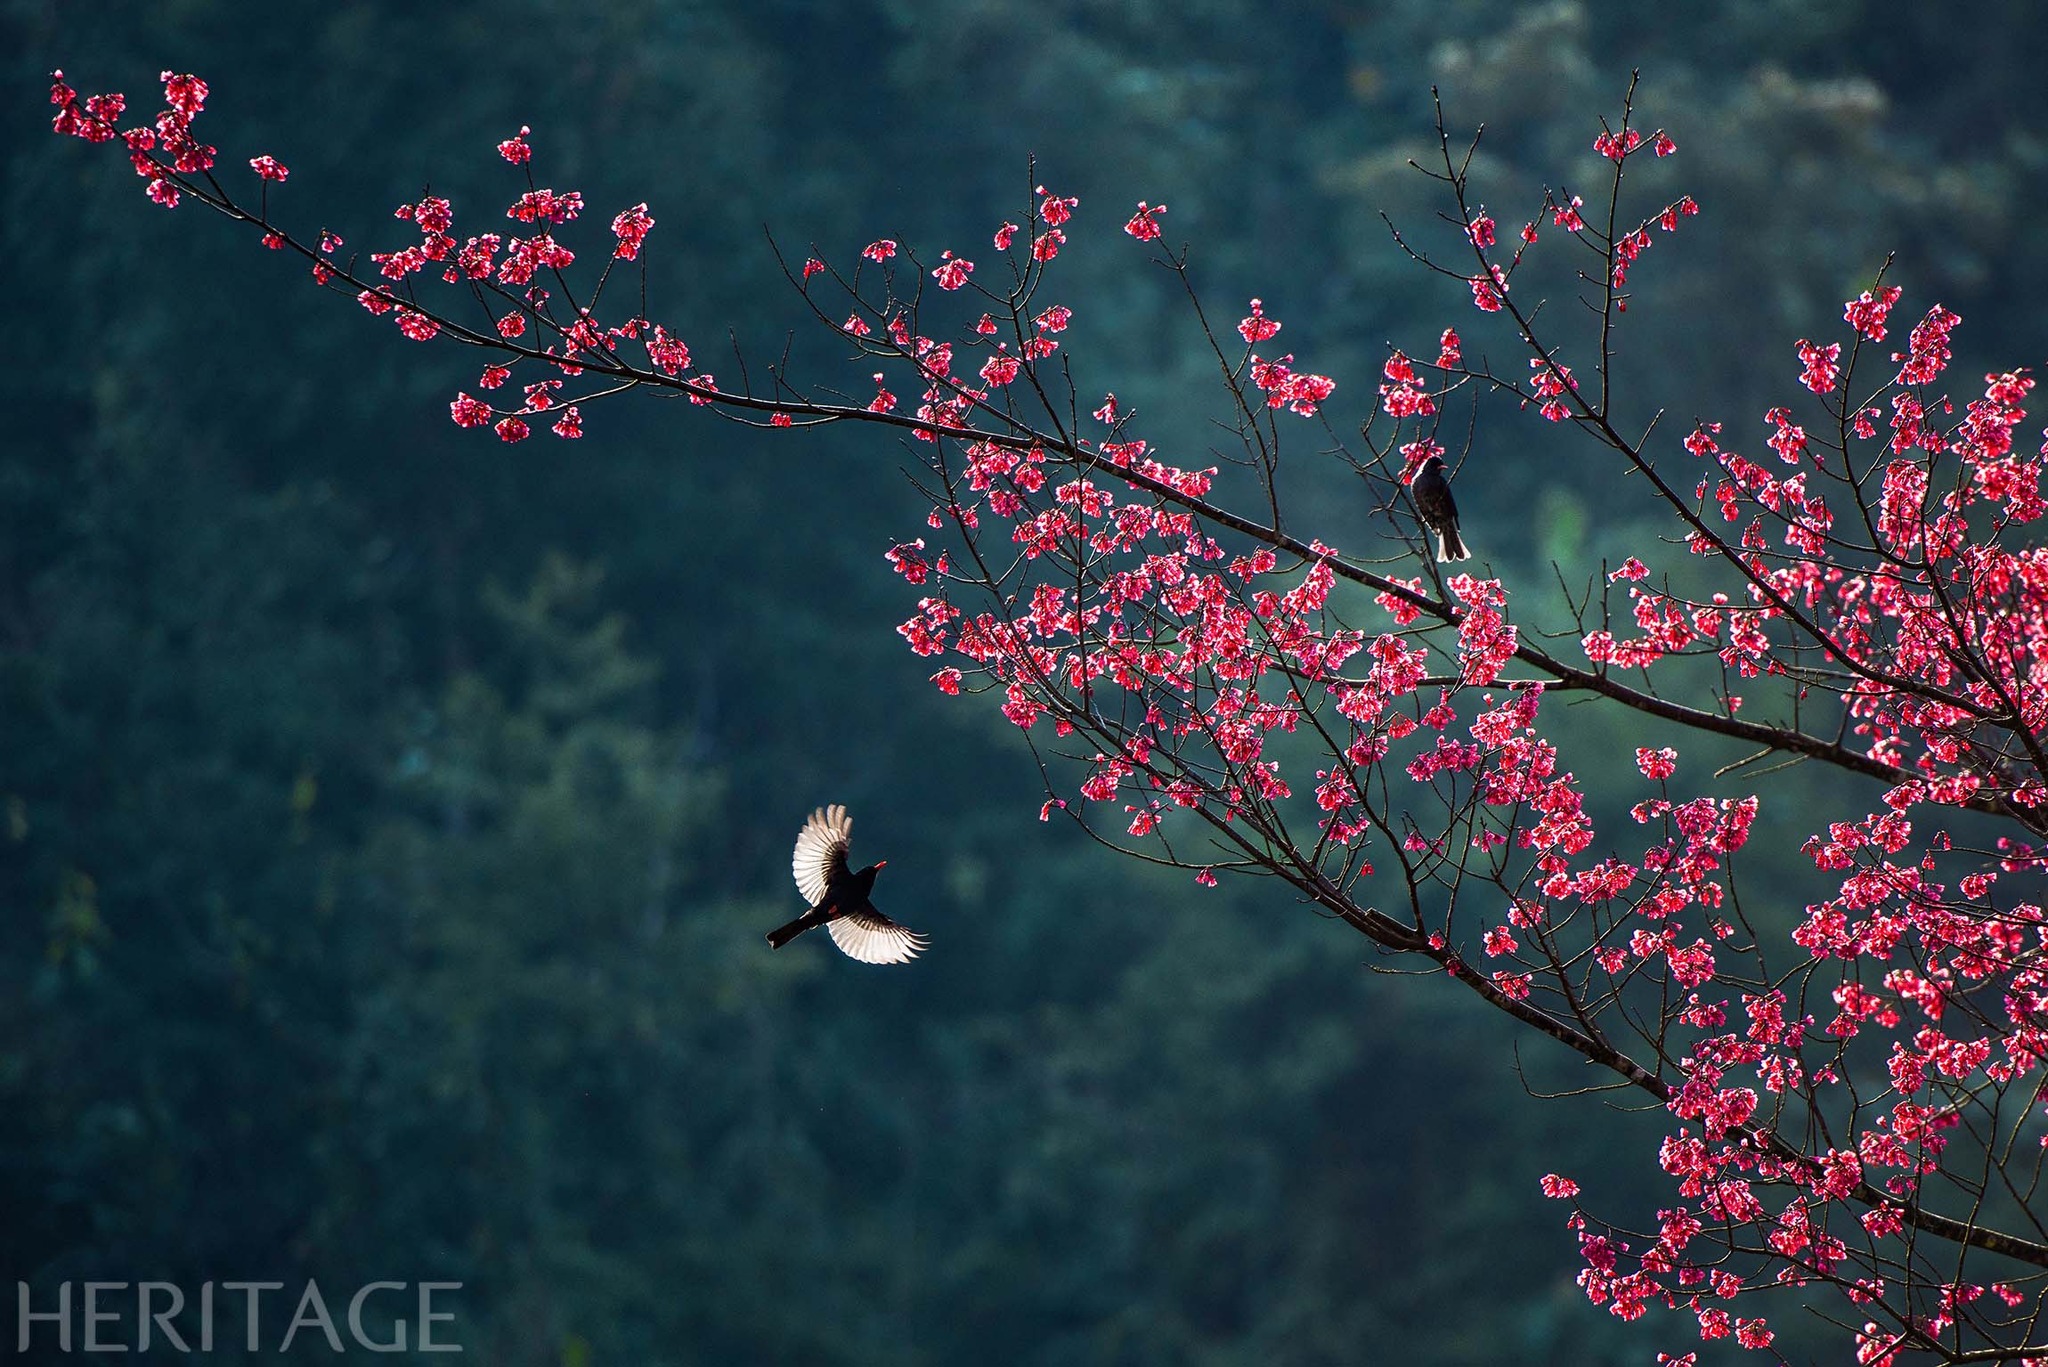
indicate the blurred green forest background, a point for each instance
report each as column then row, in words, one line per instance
column 389, row 817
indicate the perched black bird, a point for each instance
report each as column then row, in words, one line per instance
column 839, row 897
column 1432, row 493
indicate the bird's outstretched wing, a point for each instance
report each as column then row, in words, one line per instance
column 820, row 857
column 873, row 938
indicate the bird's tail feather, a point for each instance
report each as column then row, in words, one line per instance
column 782, row 935
column 1450, row 548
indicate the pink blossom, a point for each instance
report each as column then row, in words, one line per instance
column 1144, row 224
column 631, row 227
column 1866, row 313
column 1488, row 289
column 1000, row 370
column 186, row 94
column 1257, row 327
column 953, row 271
column 1657, row 765
column 1820, row 371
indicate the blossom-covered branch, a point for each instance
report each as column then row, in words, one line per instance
column 1852, row 1084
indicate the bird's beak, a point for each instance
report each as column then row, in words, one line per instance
column 881, row 863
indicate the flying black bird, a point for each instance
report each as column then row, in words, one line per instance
column 839, row 897
column 1432, row 493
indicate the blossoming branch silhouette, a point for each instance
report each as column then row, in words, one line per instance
column 1853, row 1087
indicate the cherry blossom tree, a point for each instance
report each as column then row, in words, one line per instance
column 1211, row 683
